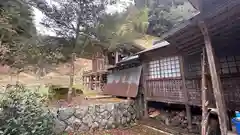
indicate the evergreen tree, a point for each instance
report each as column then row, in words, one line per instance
column 16, row 29
column 71, row 20
column 164, row 15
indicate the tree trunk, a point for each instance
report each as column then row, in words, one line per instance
column 71, row 91
column 40, row 68
column 71, row 77
column 71, row 82
column 38, row 73
column 17, row 81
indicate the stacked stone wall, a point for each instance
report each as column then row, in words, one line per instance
column 95, row 117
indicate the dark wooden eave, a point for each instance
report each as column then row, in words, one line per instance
column 223, row 23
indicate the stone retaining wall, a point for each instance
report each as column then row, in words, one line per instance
column 95, row 117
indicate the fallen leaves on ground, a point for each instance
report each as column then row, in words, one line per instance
column 136, row 130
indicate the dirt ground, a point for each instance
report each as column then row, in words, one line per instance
column 136, row 130
column 169, row 129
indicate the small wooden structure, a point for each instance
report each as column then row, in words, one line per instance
column 172, row 74
column 96, row 78
column 102, row 60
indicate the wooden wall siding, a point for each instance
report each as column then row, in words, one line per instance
column 98, row 64
column 194, row 90
column 98, row 61
column 170, row 90
column 163, row 80
column 229, row 70
column 192, row 66
column 165, row 90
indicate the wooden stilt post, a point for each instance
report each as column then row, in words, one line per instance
column 140, row 104
column 204, row 95
column 116, row 57
column 145, row 102
column 91, row 82
column 145, row 108
column 83, row 80
column 100, row 82
column 216, row 83
column 188, row 108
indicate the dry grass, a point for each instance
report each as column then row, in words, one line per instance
column 33, row 80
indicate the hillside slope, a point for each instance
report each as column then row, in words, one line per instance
column 58, row 75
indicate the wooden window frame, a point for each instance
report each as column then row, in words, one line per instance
column 229, row 65
column 164, row 68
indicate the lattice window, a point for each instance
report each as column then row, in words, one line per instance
column 164, row 68
column 154, row 69
column 230, row 64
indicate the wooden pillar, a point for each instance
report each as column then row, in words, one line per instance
column 100, row 82
column 185, row 92
column 145, row 102
column 83, row 80
column 140, row 104
column 91, row 82
column 95, row 81
column 204, row 94
column 87, row 82
column 116, row 57
column 106, row 61
column 216, row 83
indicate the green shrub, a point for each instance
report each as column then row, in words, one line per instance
column 23, row 113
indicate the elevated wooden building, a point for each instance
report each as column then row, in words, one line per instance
column 102, row 60
column 176, row 73
column 200, row 64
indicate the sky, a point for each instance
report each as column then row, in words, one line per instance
column 38, row 15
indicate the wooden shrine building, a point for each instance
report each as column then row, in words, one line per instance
column 102, row 60
column 197, row 64
column 201, row 64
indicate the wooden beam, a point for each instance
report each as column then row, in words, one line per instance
column 216, row 83
column 186, row 95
